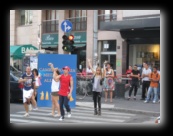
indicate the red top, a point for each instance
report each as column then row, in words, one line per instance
column 64, row 85
column 129, row 71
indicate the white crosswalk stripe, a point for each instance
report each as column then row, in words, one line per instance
column 79, row 115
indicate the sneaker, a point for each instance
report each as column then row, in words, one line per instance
column 35, row 109
column 30, row 107
column 128, row 98
column 145, row 101
column 134, row 98
column 61, row 118
column 26, row 115
column 68, row 114
column 154, row 101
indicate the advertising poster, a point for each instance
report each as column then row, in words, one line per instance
column 59, row 61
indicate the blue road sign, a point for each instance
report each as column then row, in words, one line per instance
column 66, row 26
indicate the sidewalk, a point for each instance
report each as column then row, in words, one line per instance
column 123, row 105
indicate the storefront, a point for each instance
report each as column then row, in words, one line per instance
column 17, row 52
column 141, row 40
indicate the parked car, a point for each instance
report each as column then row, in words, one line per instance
column 16, row 93
column 15, row 71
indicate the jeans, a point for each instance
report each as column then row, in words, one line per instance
column 158, row 90
column 97, row 100
column 63, row 100
column 150, row 91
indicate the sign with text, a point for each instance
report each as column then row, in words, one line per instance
column 59, row 61
column 49, row 40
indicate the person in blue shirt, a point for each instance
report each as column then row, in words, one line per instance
column 28, row 81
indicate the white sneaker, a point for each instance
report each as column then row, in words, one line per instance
column 68, row 114
column 30, row 107
column 145, row 101
column 61, row 118
column 154, row 101
column 26, row 115
column 35, row 108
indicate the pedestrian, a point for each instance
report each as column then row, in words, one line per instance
column 128, row 74
column 28, row 80
column 65, row 91
column 97, row 88
column 108, row 84
column 154, row 78
column 54, row 91
column 158, row 90
column 145, row 80
column 135, row 75
column 34, row 95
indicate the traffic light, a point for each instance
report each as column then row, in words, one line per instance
column 68, row 43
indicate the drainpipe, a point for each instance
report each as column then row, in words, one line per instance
column 95, row 37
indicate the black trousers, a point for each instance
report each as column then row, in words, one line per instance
column 97, row 100
column 63, row 100
column 145, row 85
column 134, row 85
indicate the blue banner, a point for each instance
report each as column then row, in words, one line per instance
column 59, row 61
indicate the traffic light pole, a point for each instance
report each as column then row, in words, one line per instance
column 95, row 37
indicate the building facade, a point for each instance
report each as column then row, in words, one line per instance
column 94, row 36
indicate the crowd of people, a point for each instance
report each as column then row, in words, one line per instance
column 61, row 90
column 103, row 80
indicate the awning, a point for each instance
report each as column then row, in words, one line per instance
column 146, row 23
column 18, row 51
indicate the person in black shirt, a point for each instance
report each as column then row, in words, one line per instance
column 135, row 81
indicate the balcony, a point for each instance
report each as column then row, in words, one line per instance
column 79, row 23
column 106, row 18
column 50, row 26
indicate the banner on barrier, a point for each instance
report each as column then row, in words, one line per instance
column 45, row 72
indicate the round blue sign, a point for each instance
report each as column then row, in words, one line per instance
column 66, row 26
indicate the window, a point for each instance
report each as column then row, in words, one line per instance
column 26, row 17
column 106, row 16
column 50, row 25
column 78, row 19
column 108, row 46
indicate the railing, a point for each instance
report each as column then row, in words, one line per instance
column 106, row 18
column 50, row 26
column 79, row 23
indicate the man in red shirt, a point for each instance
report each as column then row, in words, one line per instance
column 65, row 91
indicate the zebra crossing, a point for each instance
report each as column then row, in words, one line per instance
column 79, row 115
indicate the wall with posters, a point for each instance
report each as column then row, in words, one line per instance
column 59, row 60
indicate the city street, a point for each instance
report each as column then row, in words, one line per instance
column 79, row 115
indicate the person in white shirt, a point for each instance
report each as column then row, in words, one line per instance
column 54, row 91
column 145, row 80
